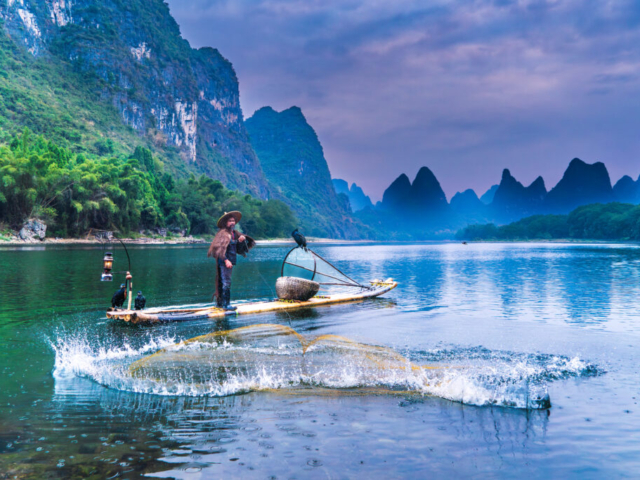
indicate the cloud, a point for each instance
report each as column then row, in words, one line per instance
column 465, row 87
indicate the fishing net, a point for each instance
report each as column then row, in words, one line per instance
column 276, row 357
column 306, row 264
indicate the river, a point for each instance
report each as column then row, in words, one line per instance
column 488, row 360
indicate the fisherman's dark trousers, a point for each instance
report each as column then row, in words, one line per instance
column 224, row 284
column 225, row 277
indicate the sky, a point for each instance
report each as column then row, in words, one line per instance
column 466, row 88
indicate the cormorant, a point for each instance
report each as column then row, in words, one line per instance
column 117, row 301
column 140, row 302
column 300, row 239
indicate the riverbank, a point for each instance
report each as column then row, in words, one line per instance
column 14, row 242
column 282, row 241
column 93, row 241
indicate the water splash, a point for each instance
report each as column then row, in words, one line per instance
column 277, row 358
column 82, row 355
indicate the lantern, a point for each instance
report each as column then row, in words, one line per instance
column 108, row 266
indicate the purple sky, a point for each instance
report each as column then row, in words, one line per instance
column 466, row 88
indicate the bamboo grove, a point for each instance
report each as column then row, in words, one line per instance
column 75, row 192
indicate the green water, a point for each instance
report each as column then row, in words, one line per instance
column 558, row 322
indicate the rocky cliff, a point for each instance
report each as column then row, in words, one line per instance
column 131, row 56
column 293, row 161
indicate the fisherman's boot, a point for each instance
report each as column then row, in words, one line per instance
column 226, row 296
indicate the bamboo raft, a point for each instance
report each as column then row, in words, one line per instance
column 161, row 315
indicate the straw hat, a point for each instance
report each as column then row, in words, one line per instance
column 222, row 223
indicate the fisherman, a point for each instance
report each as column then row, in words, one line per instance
column 140, row 302
column 225, row 248
column 117, row 301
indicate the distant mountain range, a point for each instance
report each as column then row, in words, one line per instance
column 357, row 198
column 425, row 203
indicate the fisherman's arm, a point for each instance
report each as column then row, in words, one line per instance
column 226, row 261
column 245, row 243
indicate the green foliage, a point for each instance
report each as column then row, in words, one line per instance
column 611, row 221
column 76, row 192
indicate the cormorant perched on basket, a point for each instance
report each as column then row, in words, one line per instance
column 300, row 239
column 117, row 301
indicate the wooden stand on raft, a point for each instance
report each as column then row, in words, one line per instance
column 160, row 315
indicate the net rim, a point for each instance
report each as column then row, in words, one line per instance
column 351, row 282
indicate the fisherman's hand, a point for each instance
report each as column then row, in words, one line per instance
column 242, row 238
column 228, row 264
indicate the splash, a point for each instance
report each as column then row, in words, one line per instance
column 277, row 358
column 78, row 355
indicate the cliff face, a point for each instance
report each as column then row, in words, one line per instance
column 132, row 55
column 294, row 163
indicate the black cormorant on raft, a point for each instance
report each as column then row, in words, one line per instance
column 300, row 239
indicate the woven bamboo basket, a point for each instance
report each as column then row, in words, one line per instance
column 293, row 288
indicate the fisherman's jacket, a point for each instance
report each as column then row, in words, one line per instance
column 225, row 246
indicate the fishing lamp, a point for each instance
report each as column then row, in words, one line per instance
column 108, row 266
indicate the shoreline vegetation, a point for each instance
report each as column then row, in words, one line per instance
column 153, row 240
column 617, row 222
column 54, row 192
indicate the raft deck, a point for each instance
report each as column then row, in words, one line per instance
column 161, row 315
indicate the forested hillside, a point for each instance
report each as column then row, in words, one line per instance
column 73, row 192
